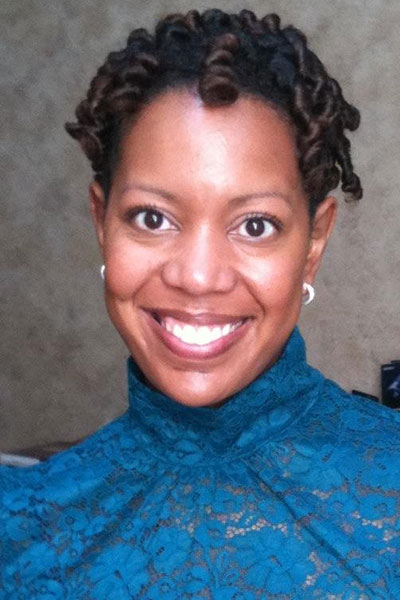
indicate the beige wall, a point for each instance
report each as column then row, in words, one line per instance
column 63, row 369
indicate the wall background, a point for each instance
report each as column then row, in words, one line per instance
column 62, row 364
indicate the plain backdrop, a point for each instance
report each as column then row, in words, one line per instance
column 62, row 363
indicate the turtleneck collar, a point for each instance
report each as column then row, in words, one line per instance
column 252, row 416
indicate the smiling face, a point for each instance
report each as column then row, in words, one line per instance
column 207, row 240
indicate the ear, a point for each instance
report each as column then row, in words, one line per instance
column 98, row 210
column 321, row 229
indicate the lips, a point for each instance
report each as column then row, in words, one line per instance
column 197, row 335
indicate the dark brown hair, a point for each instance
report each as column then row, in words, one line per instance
column 224, row 55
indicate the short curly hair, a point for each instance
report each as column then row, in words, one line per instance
column 223, row 56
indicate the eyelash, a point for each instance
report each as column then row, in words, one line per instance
column 142, row 208
column 134, row 212
column 265, row 217
column 254, row 215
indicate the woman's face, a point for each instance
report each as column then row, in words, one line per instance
column 207, row 240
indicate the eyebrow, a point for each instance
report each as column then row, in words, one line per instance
column 142, row 187
column 264, row 194
column 236, row 201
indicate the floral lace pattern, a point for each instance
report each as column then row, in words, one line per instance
column 291, row 489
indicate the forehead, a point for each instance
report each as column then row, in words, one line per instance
column 182, row 142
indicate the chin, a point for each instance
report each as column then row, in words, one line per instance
column 195, row 390
column 199, row 398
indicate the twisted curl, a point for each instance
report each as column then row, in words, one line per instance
column 224, row 55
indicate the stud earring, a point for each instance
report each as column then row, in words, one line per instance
column 102, row 271
column 309, row 292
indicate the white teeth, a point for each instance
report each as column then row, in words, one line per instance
column 177, row 330
column 203, row 335
column 188, row 334
column 199, row 336
column 226, row 329
column 216, row 333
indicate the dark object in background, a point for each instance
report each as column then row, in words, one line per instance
column 364, row 395
column 26, row 457
column 390, row 380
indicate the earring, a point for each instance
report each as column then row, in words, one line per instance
column 102, row 271
column 309, row 291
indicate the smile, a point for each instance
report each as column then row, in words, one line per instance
column 197, row 336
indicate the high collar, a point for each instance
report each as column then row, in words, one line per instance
column 249, row 418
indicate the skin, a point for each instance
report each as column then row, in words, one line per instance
column 207, row 169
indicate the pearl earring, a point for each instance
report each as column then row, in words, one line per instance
column 102, row 271
column 308, row 291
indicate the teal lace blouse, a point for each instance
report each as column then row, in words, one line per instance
column 288, row 490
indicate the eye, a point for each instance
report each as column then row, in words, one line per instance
column 257, row 227
column 150, row 219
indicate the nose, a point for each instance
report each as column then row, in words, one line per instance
column 201, row 264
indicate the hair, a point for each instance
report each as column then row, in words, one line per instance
column 223, row 56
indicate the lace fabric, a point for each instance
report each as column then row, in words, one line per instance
column 291, row 489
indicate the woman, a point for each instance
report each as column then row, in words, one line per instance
column 238, row 471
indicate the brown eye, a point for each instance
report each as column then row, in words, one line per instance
column 256, row 227
column 151, row 220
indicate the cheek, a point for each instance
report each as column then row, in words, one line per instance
column 129, row 267
column 276, row 281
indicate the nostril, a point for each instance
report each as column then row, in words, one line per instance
column 199, row 275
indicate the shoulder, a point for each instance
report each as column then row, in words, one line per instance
column 64, row 475
column 357, row 413
column 361, row 436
